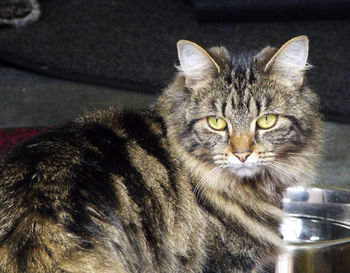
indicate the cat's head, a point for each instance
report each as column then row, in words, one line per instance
column 245, row 115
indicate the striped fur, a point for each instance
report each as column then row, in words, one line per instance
column 117, row 191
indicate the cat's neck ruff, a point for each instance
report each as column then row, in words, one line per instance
column 221, row 190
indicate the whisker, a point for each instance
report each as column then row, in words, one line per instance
column 291, row 166
column 192, row 173
column 293, row 171
column 278, row 169
column 202, row 180
column 302, row 154
column 296, row 159
column 286, row 172
column 204, row 183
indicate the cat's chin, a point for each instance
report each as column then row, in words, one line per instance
column 245, row 171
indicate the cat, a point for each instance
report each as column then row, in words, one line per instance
column 192, row 184
column 19, row 13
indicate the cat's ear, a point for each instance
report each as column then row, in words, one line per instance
column 195, row 62
column 289, row 63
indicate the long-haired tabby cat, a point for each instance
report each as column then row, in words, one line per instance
column 193, row 184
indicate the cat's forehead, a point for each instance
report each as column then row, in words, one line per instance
column 241, row 91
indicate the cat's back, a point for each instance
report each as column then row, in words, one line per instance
column 96, row 194
column 99, row 143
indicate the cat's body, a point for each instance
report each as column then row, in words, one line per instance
column 123, row 192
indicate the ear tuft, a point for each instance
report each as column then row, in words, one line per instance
column 195, row 62
column 289, row 63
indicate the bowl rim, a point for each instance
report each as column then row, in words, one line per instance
column 319, row 187
column 317, row 244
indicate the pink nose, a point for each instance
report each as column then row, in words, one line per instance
column 242, row 156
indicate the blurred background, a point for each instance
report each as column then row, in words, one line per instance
column 62, row 58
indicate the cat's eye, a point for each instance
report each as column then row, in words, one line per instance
column 217, row 123
column 266, row 121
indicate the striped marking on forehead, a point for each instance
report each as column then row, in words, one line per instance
column 242, row 104
column 241, row 77
column 241, row 71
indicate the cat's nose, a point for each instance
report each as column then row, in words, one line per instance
column 242, row 156
column 241, row 145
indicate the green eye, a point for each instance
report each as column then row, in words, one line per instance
column 217, row 123
column 267, row 121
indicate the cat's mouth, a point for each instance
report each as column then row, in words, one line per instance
column 248, row 168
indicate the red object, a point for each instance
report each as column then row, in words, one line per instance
column 11, row 137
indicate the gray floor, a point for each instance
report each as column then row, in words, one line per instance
column 28, row 99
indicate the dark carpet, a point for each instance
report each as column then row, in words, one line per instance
column 131, row 44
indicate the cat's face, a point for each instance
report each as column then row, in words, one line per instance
column 247, row 115
column 244, row 132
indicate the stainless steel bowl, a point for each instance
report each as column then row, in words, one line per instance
column 317, row 231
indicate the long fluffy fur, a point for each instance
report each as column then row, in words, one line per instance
column 117, row 191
